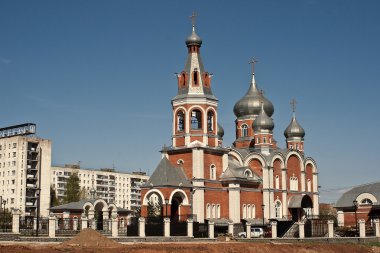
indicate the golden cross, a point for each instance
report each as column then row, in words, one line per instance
column 253, row 62
column 192, row 17
column 293, row 103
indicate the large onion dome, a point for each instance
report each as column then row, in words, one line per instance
column 220, row 131
column 294, row 129
column 250, row 104
column 193, row 39
column 263, row 122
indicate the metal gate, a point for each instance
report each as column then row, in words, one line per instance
column 154, row 226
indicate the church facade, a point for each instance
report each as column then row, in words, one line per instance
column 252, row 180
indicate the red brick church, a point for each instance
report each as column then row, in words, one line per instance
column 253, row 180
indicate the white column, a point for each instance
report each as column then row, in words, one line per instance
column 52, row 219
column 141, row 227
column 231, row 228
column 377, row 229
column 211, row 234
column 301, row 227
column 84, row 222
column 234, row 202
column 330, row 224
column 340, row 218
column 166, row 227
column 248, row 229
column 16, row 221
column 115, row 229
column 274, row 229
column 75, row 224
column 190, row 230
column 361, row 228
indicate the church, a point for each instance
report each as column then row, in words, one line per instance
column 252, row 180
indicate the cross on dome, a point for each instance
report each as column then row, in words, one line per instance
column 293, row 103
column 192, row 17
column 253, row 61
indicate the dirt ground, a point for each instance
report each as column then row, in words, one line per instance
column 90, row 241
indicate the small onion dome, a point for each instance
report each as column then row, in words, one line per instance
column 250, row 104
column 294, row 129
column 263, row 122
column 220, row 132
column 194, row 39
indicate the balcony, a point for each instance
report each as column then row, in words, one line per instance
column 31, row 186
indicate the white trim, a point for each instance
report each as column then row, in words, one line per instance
column 146, row 200
column 185, row 200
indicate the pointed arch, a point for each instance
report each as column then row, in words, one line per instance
column 185, row 200
column 147, row 195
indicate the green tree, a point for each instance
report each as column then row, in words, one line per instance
column 72, row 189
column 53, row 197
column 83, row 194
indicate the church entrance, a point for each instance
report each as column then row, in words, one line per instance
column 300, row 207
column 175, row 207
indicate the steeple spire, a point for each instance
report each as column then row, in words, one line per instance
column 192, row 17
column 253, row 61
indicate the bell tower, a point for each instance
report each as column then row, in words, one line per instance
column 194, row 106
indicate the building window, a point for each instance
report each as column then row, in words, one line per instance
column 249, row 212
column 277, row 182
column 244, row 130
column 212, row 172
column 309, row 185
column 14, row 145
column 218, row 211
column 14, row 154
column 294, row 184
column 278, row 209
column 180, row 121
column 248, row 173
column 244, row 211
column 196, row 119
column 195, row 77
column 366, row 201
column 210, row 121
column 264, row 140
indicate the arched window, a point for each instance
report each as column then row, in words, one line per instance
column 264, row 140
column 244, row 130
column 294, row 184
column 218, row 211
column 278, row 209
column 249, row 211
column 180, row 121
column 183, row 79
column 210, row 121
column 297, row 147
column 257, row 140
column 244, row 211
column 253, row 211
column 277, row 182
column 195, row 77
column 196, row 119
column 212, row 172
column 248, row 173
column 366, row 201
column 208, row 211
column 213, row 211
column 309, row 185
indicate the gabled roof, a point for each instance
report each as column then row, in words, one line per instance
column 167, row 175
column 73, row 205
column 346, row 200
column 236, row 172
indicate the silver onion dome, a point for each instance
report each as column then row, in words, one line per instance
column 193, row 39
column 263, row 121
column 220, row 132
column 294, row 129
column 250, row 103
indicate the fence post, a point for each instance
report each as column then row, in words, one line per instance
column 16, row 221
column 330, row 224
column 52, row 219
column 93, row 224
column 211, row 233
column 377, row 228
column 190, row 228
column 115, row 229
column 361, row 228
column 274, row 229
column 301, row 229
column 231, row 228
column 340, row 218
column 166, row 227
column 84, row 221
column 34, row 223
column 141, row 227
column 248, row 229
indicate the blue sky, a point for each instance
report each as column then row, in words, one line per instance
column 97, row 76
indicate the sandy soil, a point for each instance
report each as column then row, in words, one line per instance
column 90, row 241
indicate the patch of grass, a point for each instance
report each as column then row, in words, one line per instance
column 377, row 244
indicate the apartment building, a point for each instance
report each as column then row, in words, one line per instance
column 120, row 188
column 25, row 160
